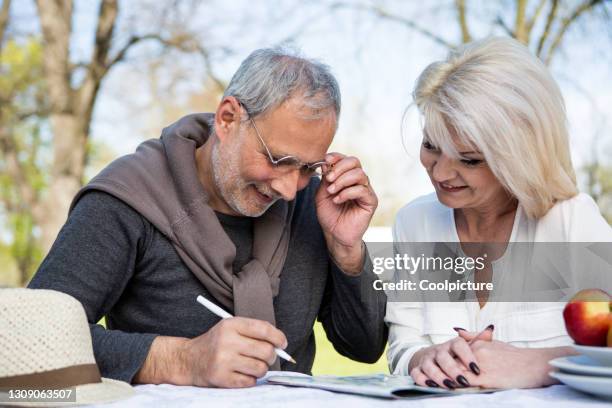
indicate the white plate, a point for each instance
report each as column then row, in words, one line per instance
column 602, row 354
column 581, row 365
column 598, row 386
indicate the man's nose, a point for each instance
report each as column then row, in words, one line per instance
column 287, row 184
column 443, row 168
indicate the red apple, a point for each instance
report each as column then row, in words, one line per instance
column 587, row 317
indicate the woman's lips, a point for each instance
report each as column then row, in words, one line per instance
column 449, row 188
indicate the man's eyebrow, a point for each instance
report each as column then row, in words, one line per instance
column 278, row 156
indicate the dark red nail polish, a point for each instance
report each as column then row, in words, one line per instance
column 450, row 384
column 474, row 367
column 491, row 327
column 432, row 383
column 463, row 381
column 458, row 329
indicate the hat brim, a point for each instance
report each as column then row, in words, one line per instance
column 97, row 393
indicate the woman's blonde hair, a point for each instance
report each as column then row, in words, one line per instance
column 497, row 98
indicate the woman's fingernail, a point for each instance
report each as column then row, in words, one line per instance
column 331, row 188
column 458, row 329
column 432, row 383
column 463, row 381
column 450, row 384
column 474, row 367
column 491, row 327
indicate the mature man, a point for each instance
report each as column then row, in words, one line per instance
column 227, row 206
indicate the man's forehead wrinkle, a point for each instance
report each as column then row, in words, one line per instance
column 279, row 152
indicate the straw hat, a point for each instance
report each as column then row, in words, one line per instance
column 45, row 344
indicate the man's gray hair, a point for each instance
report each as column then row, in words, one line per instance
column 270, row 76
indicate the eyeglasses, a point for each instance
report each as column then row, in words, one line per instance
column 309, row 169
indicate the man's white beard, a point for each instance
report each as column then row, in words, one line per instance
column 227, row 174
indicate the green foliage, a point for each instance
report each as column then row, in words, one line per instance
column 21, row 79
column 9, row 274
column 24, row 249
column 329, row 362
column 22, row 165
column 599, row 186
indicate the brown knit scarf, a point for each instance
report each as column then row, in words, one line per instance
column 160, row 181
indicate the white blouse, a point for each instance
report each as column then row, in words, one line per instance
column 415, row 325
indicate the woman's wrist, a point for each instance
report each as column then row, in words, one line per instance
column 544, row 355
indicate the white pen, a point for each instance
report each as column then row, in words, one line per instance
column 224, row 315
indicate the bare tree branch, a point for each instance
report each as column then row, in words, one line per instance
column 500, row 21
column 96, row 69
column 465, row 32
column 4, row 16
column 56, row 24
column 185, row 43
column 39, row 111
column 411, row 24
column 134, row 39
column 566, row 23
column 107, row 17
column 380, row 12
column 308, row 22
column 552, row 14
column 218, row 82
column 534, row 17
column 78, row 65
column 520, row 24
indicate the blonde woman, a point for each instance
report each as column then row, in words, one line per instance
column 495, row 146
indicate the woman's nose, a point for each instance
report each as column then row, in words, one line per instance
column 443, row 168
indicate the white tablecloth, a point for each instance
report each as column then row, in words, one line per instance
column 270, row 396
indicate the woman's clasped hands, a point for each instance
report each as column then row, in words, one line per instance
column 476, row 360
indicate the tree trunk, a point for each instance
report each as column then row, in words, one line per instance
column 69, row 155
column 70, row 114
column 71, row 104
column 4, row 17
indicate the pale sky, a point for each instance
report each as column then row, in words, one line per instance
column 376, row 63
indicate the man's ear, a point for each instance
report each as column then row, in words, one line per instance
column 227, row 117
